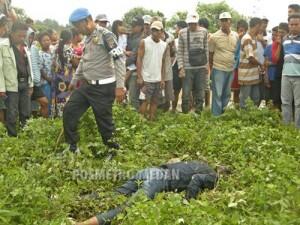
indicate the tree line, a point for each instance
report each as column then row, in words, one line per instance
column 209, row 11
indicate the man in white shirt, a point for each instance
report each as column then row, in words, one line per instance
column 150, row 72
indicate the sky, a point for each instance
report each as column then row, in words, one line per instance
column 274, row 10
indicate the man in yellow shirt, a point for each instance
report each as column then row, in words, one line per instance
column 222, row 46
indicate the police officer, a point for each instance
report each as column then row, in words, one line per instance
column 102, row 67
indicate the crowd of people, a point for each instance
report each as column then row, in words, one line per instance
column 57, row 75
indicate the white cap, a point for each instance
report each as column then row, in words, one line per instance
column 147, row 19
column 192, row 18
column 101, row 18
column 225, row 15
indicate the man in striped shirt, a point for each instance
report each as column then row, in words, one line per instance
column 193, row 40
column 249, row 65
column 290, row 86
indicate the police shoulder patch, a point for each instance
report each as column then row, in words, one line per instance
column 110, row 40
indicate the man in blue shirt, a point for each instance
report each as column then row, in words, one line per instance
column 272, row 61
column 290, row 87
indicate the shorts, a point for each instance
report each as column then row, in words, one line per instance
column 37, row 93
column 152, row 91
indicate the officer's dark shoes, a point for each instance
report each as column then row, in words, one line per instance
column 111, row 144
column 74, row 149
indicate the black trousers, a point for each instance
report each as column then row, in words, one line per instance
column 100, row 98
column 18, row 104
column 276, row 91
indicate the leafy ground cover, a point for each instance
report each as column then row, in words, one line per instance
column 42, row 184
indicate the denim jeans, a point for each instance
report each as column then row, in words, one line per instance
column 195, row 81
column 153, row 181
column 134, row 91
column 249, row 91
column 221, row 90
column 290, row 91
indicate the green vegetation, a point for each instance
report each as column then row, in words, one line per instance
column 38, row 182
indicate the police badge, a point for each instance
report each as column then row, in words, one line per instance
column 96, row 40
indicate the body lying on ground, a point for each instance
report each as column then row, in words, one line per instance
column 192, row 177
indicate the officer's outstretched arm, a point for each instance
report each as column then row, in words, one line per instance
column 120, row 71
column 117, row 54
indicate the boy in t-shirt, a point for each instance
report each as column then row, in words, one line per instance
column 150, row 68
column 272, row 66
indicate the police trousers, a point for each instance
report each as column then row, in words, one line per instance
column 100, row 98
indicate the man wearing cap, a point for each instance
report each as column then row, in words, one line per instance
column 133, row 41
column 150, row 68
column 222, row 46
column 103, row 69
column 101, row 20
column 192, row 59
column 147, row 23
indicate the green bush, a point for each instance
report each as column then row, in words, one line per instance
column 38, row 183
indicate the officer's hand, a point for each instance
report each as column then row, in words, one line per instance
column 140, row 81
column 120, row 94
column 129, row 53
column 71, row 87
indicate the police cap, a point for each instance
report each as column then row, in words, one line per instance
column 79, row 14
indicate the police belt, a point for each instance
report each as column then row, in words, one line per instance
column 103, row 81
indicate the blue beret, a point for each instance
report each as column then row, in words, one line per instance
column 79, row 14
